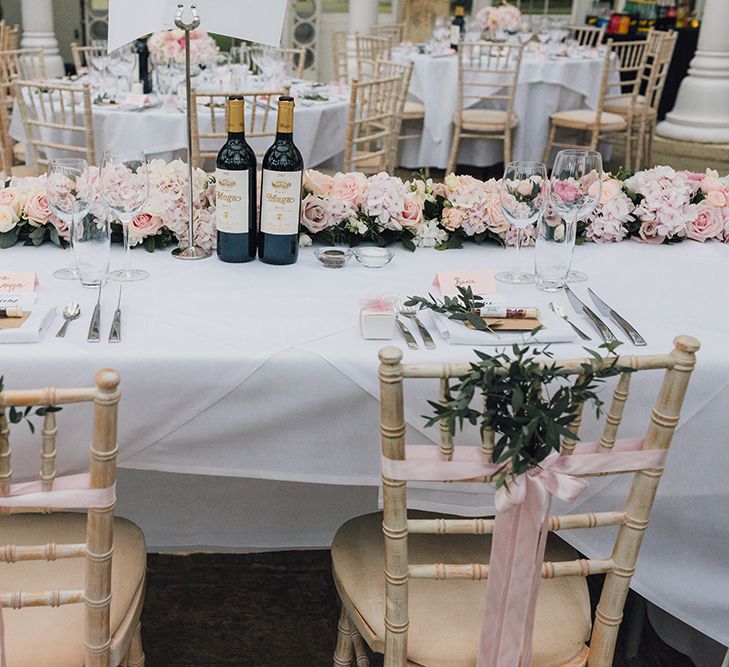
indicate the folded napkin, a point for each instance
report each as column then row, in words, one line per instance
column 33, row 329
column 555, row 330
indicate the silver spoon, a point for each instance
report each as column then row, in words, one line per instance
column 71, row 312
column 560, row 312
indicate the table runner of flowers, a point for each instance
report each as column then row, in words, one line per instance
column 659, row 205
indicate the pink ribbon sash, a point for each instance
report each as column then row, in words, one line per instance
column 520, row 530
column 70, row 492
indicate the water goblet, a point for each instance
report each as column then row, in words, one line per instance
column 524, row 196
column 124, row 183
column 576, row 189
column 68, row 198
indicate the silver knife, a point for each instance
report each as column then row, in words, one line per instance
column 115, row 331
column 581, row 308
column 95, row 326
column 626, row 326
column 409, row 338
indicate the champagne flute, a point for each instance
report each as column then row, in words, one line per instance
column 124, row 183
column 68, row 198
column 523, row 193
column 576, row 189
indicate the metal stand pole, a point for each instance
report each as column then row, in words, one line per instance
column 192, row 251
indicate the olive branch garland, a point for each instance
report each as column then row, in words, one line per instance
column 16, row 415
column 528, row 402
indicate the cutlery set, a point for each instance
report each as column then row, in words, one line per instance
column 73, row 311
column 606, row 311
column 412, row 314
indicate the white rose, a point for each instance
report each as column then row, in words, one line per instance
column 451, row 181
column 8, row 219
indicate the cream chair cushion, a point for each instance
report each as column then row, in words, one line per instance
column 587, row 118
column 54, row 637
column 486, row 120
column 446, row 616
column 413, row 111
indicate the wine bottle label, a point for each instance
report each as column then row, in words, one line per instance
column 281, row 202
column 455, row 34
column 231, row 201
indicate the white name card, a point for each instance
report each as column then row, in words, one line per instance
column 253, row 20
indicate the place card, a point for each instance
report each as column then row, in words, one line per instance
column 480, row 281
column 18, row 283
column 137, row 101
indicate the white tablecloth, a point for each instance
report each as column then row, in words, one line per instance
column 545, row 86
column 258, row 373
column 320, row 131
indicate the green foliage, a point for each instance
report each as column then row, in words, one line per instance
column 465, row 307
column 17, row 415
column 527, row 399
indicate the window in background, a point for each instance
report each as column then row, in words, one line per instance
column 342, row 6
column 544, row 6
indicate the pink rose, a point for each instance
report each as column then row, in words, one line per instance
column 440, row 189
column 716, row 198
column 649, row 233
column 314, row 214
column 62, row 228
column 142, row 226
column 351, row 188
column 452, row 219
column 708, row 224
column 412, row 213
column 37, row 209
column 317, row 183
column 566, row 191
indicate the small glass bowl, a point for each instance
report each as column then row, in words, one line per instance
column 373, row 258
column 333, row 258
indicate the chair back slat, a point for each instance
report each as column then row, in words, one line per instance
column 98, row 547
column 393, row 32
column 57, row 119
column 587, row 35
column 372, row 124
column 367, row 51
column 631, row 520
column 340, row 56
column 388, row 69
column 84, row 56
column 6, row 471
column 657, row 71
column 260, row 120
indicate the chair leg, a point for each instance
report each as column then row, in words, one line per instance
column 550, row 142
column 649, row 149
column 628, row 148
column 136, row 652
column 360, row 651
column 641, row 146
column 344, row 653
column 453, row 159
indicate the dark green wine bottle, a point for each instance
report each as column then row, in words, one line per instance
column 235, row 191
column 283, row 170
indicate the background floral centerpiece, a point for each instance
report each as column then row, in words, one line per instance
column 503, row 18
column 169, row 45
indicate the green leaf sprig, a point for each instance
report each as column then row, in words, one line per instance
column 466, row 307
column 17, row 415
column 528, row 400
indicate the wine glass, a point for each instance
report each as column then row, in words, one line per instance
column 68, row 198
column 576, row 189
column 124, row 184
column 524, row 196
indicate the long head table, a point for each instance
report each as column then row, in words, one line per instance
column 249, row 416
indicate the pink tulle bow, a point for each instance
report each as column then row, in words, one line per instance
column 379, row 304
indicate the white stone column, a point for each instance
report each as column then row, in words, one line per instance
column 362, row 15
column 701, row 113
column 38, row 31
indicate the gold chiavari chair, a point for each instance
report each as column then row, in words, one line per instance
column 294, row 59
column 260, row 120
column 593, row 125
column 372, row 122
column 340, row 56
column 392, row 31
column 587, row 35
column 86, row 599
column 57, row 119
column 488, row 74
column 84, row 56
column 368, row 50
column 406, row 110
column 12, row 38
column 426, row 610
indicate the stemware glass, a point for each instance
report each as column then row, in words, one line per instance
column 576, row 189
column 68, row 198
column 524, row 196
column 92, row 248
column 124, row 184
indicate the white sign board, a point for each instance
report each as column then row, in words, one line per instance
column 253, row 20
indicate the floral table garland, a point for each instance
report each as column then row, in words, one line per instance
column 658, row 205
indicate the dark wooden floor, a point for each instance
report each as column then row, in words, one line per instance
column 265, row 610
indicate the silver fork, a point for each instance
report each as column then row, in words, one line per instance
column 559, row 311
column 412, row 313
